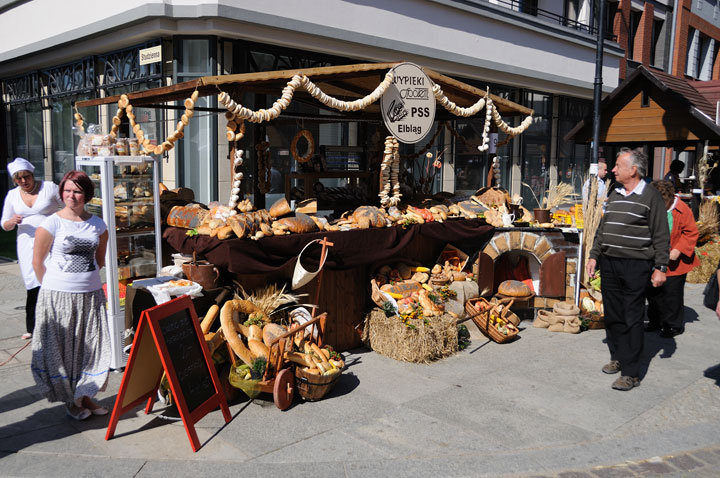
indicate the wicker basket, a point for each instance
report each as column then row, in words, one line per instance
column 313, row 387
column 481, row 319
column 507, row 314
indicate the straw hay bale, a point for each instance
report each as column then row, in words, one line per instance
column 709, row 254
column 426, row 342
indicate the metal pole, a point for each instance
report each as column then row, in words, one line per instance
column 597, row 94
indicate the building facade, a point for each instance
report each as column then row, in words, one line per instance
column 538, row 53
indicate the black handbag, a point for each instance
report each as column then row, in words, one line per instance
column 711, row 292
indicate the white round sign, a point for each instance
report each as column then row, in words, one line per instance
column 408, row 105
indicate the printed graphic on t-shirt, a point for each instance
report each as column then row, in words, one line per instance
column 79, row 255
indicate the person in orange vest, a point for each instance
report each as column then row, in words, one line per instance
column 665, row 303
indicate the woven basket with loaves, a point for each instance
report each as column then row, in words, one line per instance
column 492, row 319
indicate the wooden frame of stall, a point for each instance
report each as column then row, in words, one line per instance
column 345, row 295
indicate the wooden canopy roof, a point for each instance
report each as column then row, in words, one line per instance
column 347, row 82
column 652, row 107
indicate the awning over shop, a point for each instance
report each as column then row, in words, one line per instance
column 348, row 82
column 654, row 108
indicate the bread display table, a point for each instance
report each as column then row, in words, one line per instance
column 345, row 294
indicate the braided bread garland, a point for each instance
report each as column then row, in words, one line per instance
column 390, row 173
column 124, row 106
column 245, row 205
column 489, row 108
column 241, row 112
column 452, row 107
column 474, row 109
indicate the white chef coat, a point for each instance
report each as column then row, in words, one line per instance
column 47, row 203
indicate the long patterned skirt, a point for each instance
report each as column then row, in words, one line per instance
column 70, row 345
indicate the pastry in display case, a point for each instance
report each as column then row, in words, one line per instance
column 127, row 198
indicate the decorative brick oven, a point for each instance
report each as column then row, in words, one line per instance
column 555, row 251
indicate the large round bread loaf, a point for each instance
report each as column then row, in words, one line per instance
column 514, row 288
column 299, row 224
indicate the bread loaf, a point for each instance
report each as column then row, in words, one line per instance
column 514, row 288
column 280, row 208
column 271, row 332
column 300, row 224
column 186, row 216
column 368, row 216
column 308, row 206
column 257, row 348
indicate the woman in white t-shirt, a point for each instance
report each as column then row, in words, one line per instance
column 71, row 342
column 25, row 207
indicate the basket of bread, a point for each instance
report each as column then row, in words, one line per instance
column 318, row 371
column 492, row 319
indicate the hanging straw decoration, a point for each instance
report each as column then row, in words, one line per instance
column 390, row 173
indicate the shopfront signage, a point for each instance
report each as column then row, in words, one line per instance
column 151, row 55
column 169, row 340
column 408, row 105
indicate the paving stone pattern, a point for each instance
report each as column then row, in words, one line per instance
column 538, row 407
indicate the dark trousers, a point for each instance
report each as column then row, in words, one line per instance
column 666, row 303
column 624, row 285
column 30, row 302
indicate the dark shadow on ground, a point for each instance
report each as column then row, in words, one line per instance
column 713, row 373
column 19, row 398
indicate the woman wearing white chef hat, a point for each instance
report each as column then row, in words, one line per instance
column 26, row 206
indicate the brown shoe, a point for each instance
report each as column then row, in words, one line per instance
column 626, row 383
column 611, row 367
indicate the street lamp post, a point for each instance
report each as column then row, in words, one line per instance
column 597, row 93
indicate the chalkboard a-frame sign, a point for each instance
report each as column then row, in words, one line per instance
column 169, row 339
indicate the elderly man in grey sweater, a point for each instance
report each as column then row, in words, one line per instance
column 631, row 247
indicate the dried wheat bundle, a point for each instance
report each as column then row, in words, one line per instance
column 592, row 215
column 708, row 222
column 558, row 195
column 268, row 298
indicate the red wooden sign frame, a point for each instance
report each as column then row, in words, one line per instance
column 149, row 357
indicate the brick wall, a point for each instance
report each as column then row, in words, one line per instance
column 620, row 28
column 644, row 36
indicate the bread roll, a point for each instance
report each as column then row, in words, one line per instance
column 280, row 208
column 257, row 348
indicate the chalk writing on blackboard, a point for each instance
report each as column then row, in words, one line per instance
column 187, row 358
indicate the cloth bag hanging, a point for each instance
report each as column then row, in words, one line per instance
column 302, row 276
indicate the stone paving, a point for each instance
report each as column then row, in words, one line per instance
column 537, row 407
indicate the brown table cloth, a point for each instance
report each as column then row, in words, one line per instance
column 351, row 248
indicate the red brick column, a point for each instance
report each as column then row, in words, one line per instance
column 620, row 28
column 643, row 37
column 681, row 38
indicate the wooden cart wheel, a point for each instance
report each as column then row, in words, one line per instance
column 284, row 389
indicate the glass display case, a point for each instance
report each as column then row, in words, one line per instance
column 127, row 199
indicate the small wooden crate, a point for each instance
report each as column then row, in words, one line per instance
column 481, row 318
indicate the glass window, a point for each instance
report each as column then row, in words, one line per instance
column 635, row 17
column 573, row 159
column 657, row 48
column 194, row 58
column 536, row 149
column 197, row 154
column 27, row 134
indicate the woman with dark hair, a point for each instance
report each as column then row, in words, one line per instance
column 665, row 309
column 71, row 343
column 25, row 207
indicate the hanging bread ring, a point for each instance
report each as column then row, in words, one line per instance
column 310, row 147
